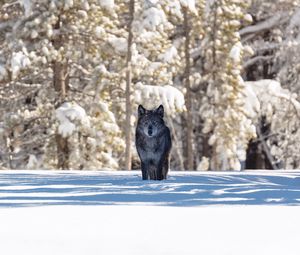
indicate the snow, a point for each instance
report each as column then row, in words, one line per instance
column 150, row 3
column 169, row 55
column 153, row 17
column 190, row 4
column 83, row 14
column 267, row 93
column 93, row 212
column 18, row 62
column 295, row 21
column 174, row 8
column 67, row 114
column 119, row 44
column 68, row 4
column 99, row 32
column 252, row 104
column 169, row 96
column 3, row 72
column 109, row 5
column 235, row 52
column 204, row 164
column 27, row 5
column 264, row 25
column 32, row 162
column 248, row 18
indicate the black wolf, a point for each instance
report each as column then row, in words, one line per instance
column 153, row 143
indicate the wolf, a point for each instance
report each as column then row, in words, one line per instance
column 153, row 143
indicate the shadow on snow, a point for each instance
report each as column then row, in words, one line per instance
column 126, row 188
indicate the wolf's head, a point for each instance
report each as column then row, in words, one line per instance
column 150, row 122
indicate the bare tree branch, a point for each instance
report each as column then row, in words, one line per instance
column 253, row 61
column 266, row 149
column 267, row 24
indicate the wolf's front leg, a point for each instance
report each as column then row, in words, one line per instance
column 160, row 170
column 144, row 171
column 166, row 167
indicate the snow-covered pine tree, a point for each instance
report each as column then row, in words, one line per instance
column 193, row 31
column 128, row 128
column 276, row 112
column 273, row 36
column 45, row 35
column 224, row 112
column 174, row 58
column 152, row 54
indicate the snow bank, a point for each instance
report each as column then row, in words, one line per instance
column 188, row 189
column 127, row 222
column 129, row 230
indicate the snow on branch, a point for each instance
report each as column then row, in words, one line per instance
column 151, row 96
column 267, row 24
column 19, row 61
column 235, row 52
column 68, row 115
column 109, row 5
column 27, row 5
column 253, row 61
column 190, row 4
column 153, row 17
column 269, row 92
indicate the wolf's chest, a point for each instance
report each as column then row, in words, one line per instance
column 150, row 149
column 149, row 154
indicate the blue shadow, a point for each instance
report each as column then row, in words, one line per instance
column 118, row 188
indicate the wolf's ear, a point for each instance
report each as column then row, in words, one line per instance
column 160, row 111
column 141, row 110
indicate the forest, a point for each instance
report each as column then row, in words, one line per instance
column 73, row 72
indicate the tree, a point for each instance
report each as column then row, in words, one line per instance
column 63, row 39
column 224, row 112
column 272, row 36
column 152, row 53
column 128, row 88
column 188, row 95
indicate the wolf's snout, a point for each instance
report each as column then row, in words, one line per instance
column 150, row 130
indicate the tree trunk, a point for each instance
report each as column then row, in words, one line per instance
column 62, row 152
column 60, row 78
column 188, row 95
column 128, row 89
column 61, row 84
column 215, row 162
column 177, row 146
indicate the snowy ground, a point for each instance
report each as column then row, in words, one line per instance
column 67, row 212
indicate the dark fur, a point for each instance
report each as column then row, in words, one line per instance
column 153, row 143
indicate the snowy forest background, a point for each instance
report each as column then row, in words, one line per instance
column 72, row 73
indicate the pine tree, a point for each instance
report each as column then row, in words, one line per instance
column 224, row 112
column 53, row 52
